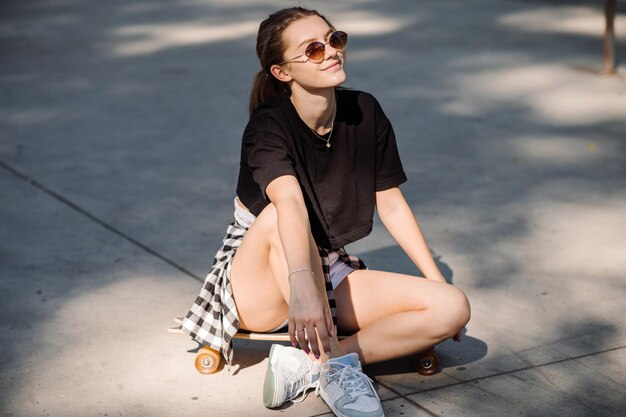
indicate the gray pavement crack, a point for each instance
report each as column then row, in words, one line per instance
column 36, row 184
column 426, row 410
column 513, row 371
column 421, row 407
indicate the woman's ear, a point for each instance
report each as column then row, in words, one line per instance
column 280, row 74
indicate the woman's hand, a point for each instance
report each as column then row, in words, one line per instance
column 309, row 315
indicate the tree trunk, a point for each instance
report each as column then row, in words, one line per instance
column 609, row 37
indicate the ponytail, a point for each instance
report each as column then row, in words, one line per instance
column 264, row 88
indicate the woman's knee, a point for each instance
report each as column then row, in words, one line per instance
column 453, row 312
column 461, row 308
column 269, row 226
column 268, row 218
column 457, row 311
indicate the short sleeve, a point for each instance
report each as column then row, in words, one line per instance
column 266, row 151
column 389, row 171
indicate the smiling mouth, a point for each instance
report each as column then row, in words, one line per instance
column 338, row 62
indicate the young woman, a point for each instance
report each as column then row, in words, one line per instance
column 316, row 160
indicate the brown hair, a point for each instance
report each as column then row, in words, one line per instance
column 270, row 50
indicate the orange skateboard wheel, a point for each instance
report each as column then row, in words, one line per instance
column 427, row 363
column 207, row 360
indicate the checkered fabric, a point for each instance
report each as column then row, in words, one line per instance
column 351, row 260
column 212, row 320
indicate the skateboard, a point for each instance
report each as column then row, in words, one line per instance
column 208, row 360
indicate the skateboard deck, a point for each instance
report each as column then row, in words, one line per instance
column 208, row 360
column 277, row 336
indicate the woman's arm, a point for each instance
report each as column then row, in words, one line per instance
column 398, row 218
column 307, row 307
column 293, row 220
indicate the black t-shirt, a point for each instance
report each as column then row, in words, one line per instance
column 339, row 183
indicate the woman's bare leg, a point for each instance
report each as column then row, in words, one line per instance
column 260, row 295
column 395, row 315
column 259, row 277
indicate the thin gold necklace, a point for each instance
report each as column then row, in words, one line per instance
column 330, row 134
column 332, row 126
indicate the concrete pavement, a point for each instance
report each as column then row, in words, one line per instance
column 120, row 127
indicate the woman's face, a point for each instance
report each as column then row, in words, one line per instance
column 310, row 75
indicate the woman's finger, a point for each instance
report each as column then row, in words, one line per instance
column 330, row 326
column 301, row 335
column 312, row 339
column 291, row 329
column 323, row 339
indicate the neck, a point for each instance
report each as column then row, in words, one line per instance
column 316, row 109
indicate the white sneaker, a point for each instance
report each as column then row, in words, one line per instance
column 290, row 373
column 347, row 390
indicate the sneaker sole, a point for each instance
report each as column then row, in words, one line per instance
column 269, row 385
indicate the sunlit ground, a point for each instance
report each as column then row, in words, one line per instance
column 512, row 139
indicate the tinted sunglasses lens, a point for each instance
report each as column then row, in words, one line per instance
column 338, row 39
column 315, row 51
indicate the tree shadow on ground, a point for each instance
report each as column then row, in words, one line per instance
column 107, row 106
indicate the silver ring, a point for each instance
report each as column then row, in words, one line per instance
column 299, row 330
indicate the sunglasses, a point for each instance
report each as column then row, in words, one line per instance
column 315, row 51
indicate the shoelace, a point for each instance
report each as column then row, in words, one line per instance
column 296, row 386
column 352, row 379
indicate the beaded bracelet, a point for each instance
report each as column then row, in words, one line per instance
column 299, row 270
